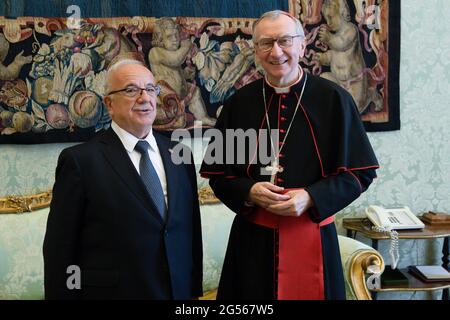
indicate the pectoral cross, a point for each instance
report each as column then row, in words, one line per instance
column 274, row 168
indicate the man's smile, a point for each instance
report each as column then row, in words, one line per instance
column 278, row 62
column 143, row 109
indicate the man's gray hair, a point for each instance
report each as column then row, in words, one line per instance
column 274, row 14
column 115, row 66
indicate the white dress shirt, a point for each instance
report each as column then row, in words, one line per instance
column 129, row 142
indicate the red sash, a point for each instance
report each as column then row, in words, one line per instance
column 300, row 264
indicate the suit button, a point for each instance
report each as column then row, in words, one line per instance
column 166, row 233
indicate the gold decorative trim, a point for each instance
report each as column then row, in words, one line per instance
column 207, row 196
column 20, row 204
column 209, row 295
column 359, row 269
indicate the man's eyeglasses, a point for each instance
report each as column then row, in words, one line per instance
column 134, row 92
column 266, row 44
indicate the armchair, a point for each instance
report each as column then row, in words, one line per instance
column 21, row 262
column 358, row 261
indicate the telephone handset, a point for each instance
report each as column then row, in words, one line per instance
column 393, row 219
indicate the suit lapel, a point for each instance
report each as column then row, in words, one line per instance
column 171, row 171
column 119, row 160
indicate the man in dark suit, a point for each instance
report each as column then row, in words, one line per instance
column 122, row 211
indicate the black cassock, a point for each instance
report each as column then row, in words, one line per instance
column 326, row 151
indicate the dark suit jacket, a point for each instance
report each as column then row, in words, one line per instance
column 103, row 220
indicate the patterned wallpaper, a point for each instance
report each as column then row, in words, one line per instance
column 28, row 169
column 415, row 161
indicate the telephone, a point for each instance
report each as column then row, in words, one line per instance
column 393, row 219
column 388, row 220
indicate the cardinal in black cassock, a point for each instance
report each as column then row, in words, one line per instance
column 326, row 152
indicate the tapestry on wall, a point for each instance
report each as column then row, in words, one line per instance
column 356, row 43
column 52, row 74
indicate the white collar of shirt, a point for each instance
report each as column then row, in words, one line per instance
column 281, row 90
column 129, row 141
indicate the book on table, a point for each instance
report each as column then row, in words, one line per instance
column 430, row 273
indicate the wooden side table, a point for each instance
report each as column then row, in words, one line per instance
column 364, row 226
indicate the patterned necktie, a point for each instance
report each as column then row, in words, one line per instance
column 150, row 177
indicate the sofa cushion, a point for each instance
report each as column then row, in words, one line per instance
column 21, row 262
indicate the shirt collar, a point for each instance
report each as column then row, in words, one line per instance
column 129, row 141
column 281, row 90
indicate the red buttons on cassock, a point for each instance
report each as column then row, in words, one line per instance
column 283, row 119
column 282, row 131
column 283, row 106
column 281, row 155
column 279, row 180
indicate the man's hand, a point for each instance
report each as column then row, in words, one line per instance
column 299, row 202
column 265, row 194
